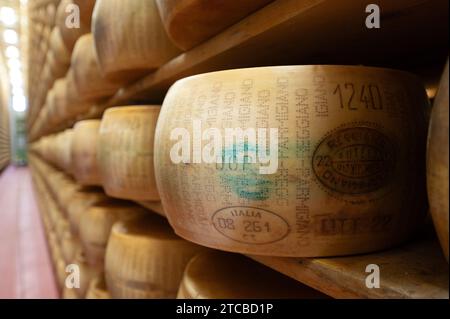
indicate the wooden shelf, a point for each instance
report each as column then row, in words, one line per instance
column 414, row 270
column 413, row 36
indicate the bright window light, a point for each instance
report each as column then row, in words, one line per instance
column 19, row 103
column 12, row 52
column 15, row 78
column 17, row 90
column 10, row 36
column 14, row 64
column 8, row 16
column 15, row 73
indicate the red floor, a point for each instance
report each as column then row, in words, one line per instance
column 25, row 267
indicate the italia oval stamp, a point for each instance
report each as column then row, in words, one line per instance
column 354, row 160
column 250, row 225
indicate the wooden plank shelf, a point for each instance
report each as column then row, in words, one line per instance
column 415, row 270
column 413, row 36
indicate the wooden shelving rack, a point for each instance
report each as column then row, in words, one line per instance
column 413, row 36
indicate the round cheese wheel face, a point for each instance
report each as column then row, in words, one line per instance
column 125, row 152
column 293, row 160
column 84, row 152
column 89, row 83
column 130, row 38
column 145, row 259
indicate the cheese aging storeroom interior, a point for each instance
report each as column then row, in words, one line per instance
column 193, row 149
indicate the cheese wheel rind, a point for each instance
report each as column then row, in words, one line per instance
column 84, row 152
column 349, row 170
column 145, row 259
column 220, row 275
column 437, row 163
column 125, row 152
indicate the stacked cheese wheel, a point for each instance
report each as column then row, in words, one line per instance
column 87, row 274
column 89, row 83
column 125, row 152
column 123, row 53
column 145, row 259
column 79, row 202
column 95, row 227
column 437, row 165
column 219, row 275
column 65, row 22
column 190, row 22
column 59, row 51
column 84, row 152
column 293, row 160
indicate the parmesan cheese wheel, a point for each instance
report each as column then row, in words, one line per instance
column 437, row 163
column 55, row 216
column 66, row 150
column 89, row 82
column 59, row 49
column 190, row 22
column 84, row 152
column 87, row 273
column 58, row 68
column 50, row 106
column 62, row 156
column 54, row 248
column 70, row 293
column 293, row 160
column 65, row 21
column 75, row 105
column 130, row 38
column 145, row 259
column 47, row 77
column 97, row 289
column 86, row 8
column 69, row 246
column 62, row 227
column 125, row 152
column 80, row 202
column 56, row 101
column 51, row 13
column 66, row 189
column 219, row 275
column 61, row 273
column 95, row 226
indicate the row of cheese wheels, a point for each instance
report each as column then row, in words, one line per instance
column 345, row 175
column 115, row 55
column 125, row 251
column 50, row 57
